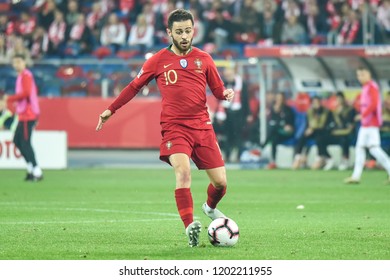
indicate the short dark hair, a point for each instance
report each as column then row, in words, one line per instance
column 340, row 94
column 19, row 55
column 179, row 15
column 363, row 68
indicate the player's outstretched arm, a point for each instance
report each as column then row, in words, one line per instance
column 103, row 118
column 229, row 94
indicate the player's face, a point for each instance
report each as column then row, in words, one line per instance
column 363, row 76
column 182, row 33
column 18, row 64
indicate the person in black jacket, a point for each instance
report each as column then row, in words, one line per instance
column 280, row 125
column 318, row 120
column 341, row 131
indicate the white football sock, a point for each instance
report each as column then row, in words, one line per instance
column 360, row 158
column 208, row 208
column 37, row 171
column 29, row 167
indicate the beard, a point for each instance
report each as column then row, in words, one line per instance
column 182, row 49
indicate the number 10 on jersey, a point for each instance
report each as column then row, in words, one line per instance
column 170, row 77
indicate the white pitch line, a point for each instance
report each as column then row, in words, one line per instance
column 100, row 210
column 83, row 222
column 104, row 211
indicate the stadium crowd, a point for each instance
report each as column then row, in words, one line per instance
column 60, row 28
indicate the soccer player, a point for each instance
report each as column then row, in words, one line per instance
column 27, row 110
column 182, row 72
column 371, row 120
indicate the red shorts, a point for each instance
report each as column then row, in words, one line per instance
column 200, row 145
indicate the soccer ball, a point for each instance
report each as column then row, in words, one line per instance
column 223, row 232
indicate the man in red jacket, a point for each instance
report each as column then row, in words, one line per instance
column 27, row 109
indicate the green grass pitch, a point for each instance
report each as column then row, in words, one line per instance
column 112, row 214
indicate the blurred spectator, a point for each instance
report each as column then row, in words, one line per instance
column 19, row 48
column 219, row 30
column 292, row 31
column 333, row 8
column 6, row 27
column 229, row 117
column 25, row 26
column 266, row 5
column 250, row 112
column 350, row 29
column 383, row 17
column 315, row 24
column 56, row 34
column 270, row 28
column 318, row 118
column 198, row 7
column 95, row 19
column 160, row 21
column 3, row 50
column 72, row 15
column 80, row 38
column 125, row 6
column 290, row 8
column 141, row 33
column 199, row 29
column 46, row 14
column 341, row 130
column 107, row 6
column 39, row 44
column 113, row 33
column 248, row 23
column 280, row 126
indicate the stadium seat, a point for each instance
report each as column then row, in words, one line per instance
column 4, row 7
column 127, row 54
column 102, row 52
column 67, row 72
column 75, row 87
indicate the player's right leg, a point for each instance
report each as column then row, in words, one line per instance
column 181, row 165
column 18, row 141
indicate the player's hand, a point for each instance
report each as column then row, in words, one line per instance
column 103, row 118
column 229, row 94
column 358, row 117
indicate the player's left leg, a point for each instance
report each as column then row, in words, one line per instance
column 215, row 192
column 207, row 156
column 382, row 158
column 374, row 147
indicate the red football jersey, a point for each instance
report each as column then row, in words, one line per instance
column 182, row 83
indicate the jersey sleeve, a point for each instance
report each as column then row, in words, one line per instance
column 374, row 96
column 145, row 75
column 26, row 86
column 214, row 79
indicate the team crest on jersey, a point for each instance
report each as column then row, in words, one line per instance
column 169, row 145
column 198, row 63
column 183, row 63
